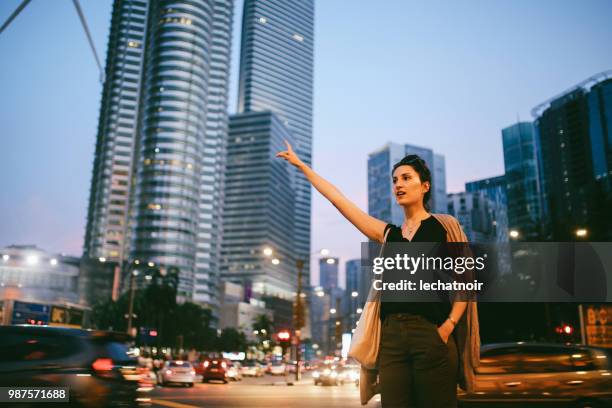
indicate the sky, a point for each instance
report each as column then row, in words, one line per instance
column 447, row 75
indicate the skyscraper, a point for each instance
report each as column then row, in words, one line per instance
column 276, row 74
column 259, row 207
column 328, row 272
column 492, row 221
column 165, row 158
column 112, row 178
column 523, row 188
column 381, row 201
column 576, row 159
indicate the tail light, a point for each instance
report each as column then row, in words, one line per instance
column 224, row 364
column 103, row 364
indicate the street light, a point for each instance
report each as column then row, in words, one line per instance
column 514, row 234
column 359, row 310
column 324, row 252
column 332, row 310
column 581, row 232
column 102, row 259
column 275, row 261
column 330, row 261
column 5, row 257
column 354, row 294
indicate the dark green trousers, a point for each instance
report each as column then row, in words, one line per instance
column 417, row 369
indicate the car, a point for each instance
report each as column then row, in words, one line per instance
column 82, row 360
column 214, row 369
column 328, row 375
column 252, row 368
column 234, row 371
column 348, row 373
column 176, row 372
column 278, row 368
column 539, row 374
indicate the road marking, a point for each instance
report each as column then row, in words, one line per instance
column 172, row 404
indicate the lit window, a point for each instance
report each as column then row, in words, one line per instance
column 263, row 20
column 133, row 44
column 298, row 37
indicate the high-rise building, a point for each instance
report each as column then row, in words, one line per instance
column 576, row 160
column 157, row 186
column 523, row 188
column 258, row 245
column 381, row 201
column 112, row 179
column 328, row 272
column 276, row 74
column 492, row 219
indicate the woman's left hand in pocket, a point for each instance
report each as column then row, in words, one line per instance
column 445, row 330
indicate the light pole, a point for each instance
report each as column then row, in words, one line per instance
column 133, row 275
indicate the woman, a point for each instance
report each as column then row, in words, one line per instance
column 418, row 357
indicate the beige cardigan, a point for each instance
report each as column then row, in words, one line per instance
column 466, row 333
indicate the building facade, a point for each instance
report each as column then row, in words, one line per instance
column 157, row 186
column 328, row 272
column 492, row 221
column 276, row 75
column 259, row 207
column 576, row 160
column 523, row 184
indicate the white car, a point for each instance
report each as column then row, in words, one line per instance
column 234, row 371
column 176, row 372
column 278, row 368
column 251, row 368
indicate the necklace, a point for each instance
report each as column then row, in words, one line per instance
column 410, row 230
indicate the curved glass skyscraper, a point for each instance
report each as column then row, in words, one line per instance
column 175, row 191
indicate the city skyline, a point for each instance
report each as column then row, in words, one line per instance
column 39, row 206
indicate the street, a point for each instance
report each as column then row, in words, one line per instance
column 267, row 391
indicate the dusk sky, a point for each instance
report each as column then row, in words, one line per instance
column 442, row 74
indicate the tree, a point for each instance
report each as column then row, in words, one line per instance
column 264, row 326
column 231, row 340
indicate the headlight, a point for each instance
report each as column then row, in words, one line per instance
column 315, row 374
column 333, row 374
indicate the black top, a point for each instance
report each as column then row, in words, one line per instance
column 430, row 230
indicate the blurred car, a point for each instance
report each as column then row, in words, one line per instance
column 176, row 372
column 291, row 366
column 94, row 365
column 328, row 375
column 214, row 369
column 252, row 368
column 348, row 373
column 536, row 374
column 278, row 368
column 234, row 371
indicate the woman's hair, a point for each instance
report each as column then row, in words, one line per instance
column 422, row 170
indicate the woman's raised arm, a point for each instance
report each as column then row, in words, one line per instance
column 371, row 227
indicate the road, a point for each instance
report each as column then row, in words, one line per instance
column 267, row 391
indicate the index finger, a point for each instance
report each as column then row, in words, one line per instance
column 288, row 146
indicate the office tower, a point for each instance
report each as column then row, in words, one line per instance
column 328, row 272
column 258, row 246
column 523, row 188
column 276, row 74
column 355, row 293
column 576, row 160
column 381, row 201
column 492, row 218
column 112, row 178
column 165, row 192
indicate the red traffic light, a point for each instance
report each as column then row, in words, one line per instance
column 284, row 336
